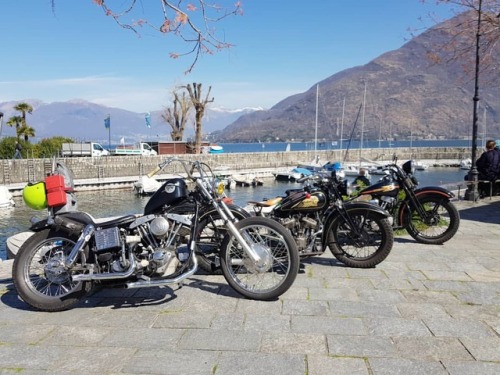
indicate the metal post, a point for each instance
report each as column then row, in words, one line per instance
column 472, row 193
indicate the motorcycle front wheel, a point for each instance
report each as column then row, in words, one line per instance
column 209, row 236
column 39, row 276
column 279, row 262
column 363, row 243
column 440, row 224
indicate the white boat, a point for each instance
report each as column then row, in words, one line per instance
column 377, row 170
column 419, row 166
column 216, row 149
column 246, row 180
column 13, row 243
column 146, row 185
column 466, row 164
column 6, row 200
column 291, row 175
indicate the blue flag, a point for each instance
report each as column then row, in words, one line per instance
column 107, row 122
column 147, row 116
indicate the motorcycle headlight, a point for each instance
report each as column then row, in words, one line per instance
column 409, row 167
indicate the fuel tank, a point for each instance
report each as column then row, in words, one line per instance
column 302, row 202
column 382, row 188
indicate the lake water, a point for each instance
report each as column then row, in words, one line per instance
column 121, row 202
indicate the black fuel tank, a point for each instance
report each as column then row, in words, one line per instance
column 302, row 202
column 171, row 192
column 383, row 188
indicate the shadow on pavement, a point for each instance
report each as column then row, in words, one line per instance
column 485, row 212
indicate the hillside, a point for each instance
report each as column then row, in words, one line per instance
column 84, row 121
column 406, row 95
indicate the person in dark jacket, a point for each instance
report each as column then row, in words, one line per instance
column 488, row 164
column 488, row 168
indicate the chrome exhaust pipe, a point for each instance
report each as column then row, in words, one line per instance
column 109, row 276
column 163, row 282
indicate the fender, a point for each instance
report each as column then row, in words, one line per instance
column 427, row 191
column 434, row 190
column 352, row 206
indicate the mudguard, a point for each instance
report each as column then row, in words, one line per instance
column 350, row 206
column 434, row 190
column 427, row 191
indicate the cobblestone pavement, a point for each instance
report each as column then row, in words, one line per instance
column 424, row 310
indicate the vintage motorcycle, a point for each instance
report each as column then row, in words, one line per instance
column 358, row 234
column 70, row 251
column 427, row 213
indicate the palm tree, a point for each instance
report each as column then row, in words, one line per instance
column 26, row 131
column 24, row 108
column 16, row 121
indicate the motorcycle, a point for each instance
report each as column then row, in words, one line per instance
column 427, row 213
column 71, row 252
column 358, row 234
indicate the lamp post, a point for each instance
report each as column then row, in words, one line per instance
column 471, row 194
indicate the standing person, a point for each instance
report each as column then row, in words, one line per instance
column 17, row 154
column 488, row 165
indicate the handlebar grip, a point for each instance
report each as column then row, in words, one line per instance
column 302, row 179
column 154, row 171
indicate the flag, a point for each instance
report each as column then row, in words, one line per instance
column 107, row 122
column 122, row 141
column 147, row 116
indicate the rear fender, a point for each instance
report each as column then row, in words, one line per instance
column 352, row 207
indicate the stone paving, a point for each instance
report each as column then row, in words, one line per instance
column 424, row 310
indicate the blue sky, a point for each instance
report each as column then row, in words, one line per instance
column 282, row 47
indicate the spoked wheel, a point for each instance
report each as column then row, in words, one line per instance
column 210, row 234
column 440, row 224
column 277, row 268
column 364, row 244
column 39, row 276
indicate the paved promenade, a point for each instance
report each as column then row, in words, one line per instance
column 424, row 310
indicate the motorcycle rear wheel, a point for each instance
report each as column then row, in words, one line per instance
column 443, row 224
column 369, row 249
column 38, row 276
column 275, row 245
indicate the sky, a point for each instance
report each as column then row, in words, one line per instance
column 281, row 48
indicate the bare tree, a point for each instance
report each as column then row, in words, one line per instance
column 199, row 105
column 177, row 115
column 192, row 21
column 461, row 31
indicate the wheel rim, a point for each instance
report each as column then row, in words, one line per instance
column 436, row 223
column 272, row 246
column 45, row 274
column 366, row 244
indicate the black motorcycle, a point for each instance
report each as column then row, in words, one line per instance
column 358, row 234
column 70, row 251
column 427, row 213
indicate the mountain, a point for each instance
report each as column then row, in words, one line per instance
column 407, row 95
column 84, row 121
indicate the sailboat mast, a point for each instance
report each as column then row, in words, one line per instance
column 316, row 124
column 342, row 126
column 362, row 126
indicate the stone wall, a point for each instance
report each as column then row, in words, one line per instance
column 29, row 170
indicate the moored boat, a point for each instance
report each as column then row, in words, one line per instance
column 146, row 185
column 6, row 200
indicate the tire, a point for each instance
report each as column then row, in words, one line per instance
column 275, row 245
column 442, row 226
column 370, row 248
column 32, row 279
column 209, row 236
